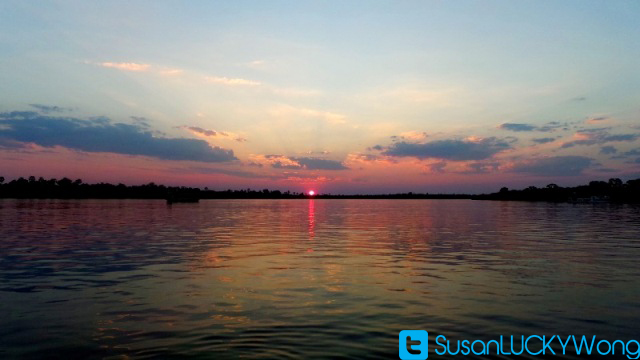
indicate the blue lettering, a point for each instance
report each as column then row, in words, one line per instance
column 613, row 347
column 438, row 343
column 526, row 344
column 465, row 345
column 631, row 348
column 564, row 345
column 636, row 353
column 584, row 342
column 600, row 351
column 497, row 346
column 521, row 345
column 473, row 347
column 501, row 349
column 547, row 345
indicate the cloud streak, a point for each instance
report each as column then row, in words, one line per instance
column 456, row 150
column 101, row 135
column 201, row 131
column 607, row 150
column 548, row 127
column 212, row 133
column 554, row 166
column 46, row 109
column 287, row 111
column 517, row 127
column 597, row 119
column 596, row 137
column 298, row 162
column 543, row 140
column 311, row 163
column 126, row 66
column 231, row 81
column 139, row 67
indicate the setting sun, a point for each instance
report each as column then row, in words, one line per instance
column 311, row 192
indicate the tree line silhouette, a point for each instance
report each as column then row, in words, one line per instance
column 614, row 190
column 65, row 188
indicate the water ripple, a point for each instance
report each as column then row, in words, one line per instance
column 119, row 279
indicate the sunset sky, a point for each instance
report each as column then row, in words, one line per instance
column 336, row 96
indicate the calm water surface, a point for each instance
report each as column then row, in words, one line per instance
column 137, row 279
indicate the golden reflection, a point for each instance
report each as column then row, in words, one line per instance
column 312, row 218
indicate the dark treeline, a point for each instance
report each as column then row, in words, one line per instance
column 40, row 188
column 613, row 190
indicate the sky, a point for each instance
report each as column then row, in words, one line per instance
column 335, row 96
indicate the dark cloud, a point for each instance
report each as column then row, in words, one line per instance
column 555, row 166
column 598, row 136
column 622, row 137
column 608, row 150
column 605, row 170
column 543, row 140
column 373, row 158
column 310, row 163
column 510, row 139
column 553, row 126
column 200, row 130
column 140, row 120
column 481, row 167
column 578, row 143
column 634, row 152
column 517, row 127
column 438, row 167
column 548, row 127
column 377, row 148
column 101, row 135
column 211, row 133
column 281, row 165
column 627, row 154
column 594, row 130
column 457, row 150
column 367, row 157
column 10, row 144
column 46, row 109
column 409, row 136
column 598, row 118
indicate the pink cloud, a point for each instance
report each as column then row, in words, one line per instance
column 231, row 81
column 126, row 66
